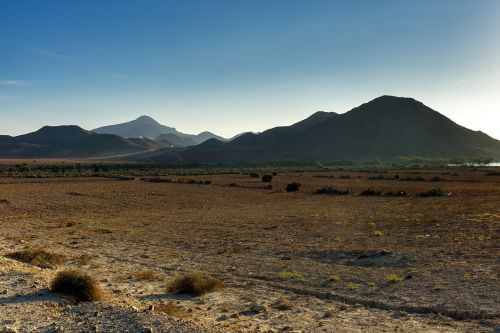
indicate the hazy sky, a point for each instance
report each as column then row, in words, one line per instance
column 233, row 66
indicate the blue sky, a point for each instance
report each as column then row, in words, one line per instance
column 233, row 66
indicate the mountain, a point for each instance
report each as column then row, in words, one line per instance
column 175, row 140
column 147, row 127
column 143, row 126
column 383, row 128
column 70, row 141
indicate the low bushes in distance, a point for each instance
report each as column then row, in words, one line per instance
column 293, row 187
column 267, row 178
column 435, row 192
column 333, row 190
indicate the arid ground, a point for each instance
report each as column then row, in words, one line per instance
column 290, row 261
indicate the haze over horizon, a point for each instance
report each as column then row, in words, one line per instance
column 230, row 67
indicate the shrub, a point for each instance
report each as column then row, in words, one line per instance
column 378, row 233
column 254, row 175
column 370, row 192
column 413, row 179
column 195, row 283
column 396, row 194
column 267, row 178
column 5, row 201
column 124, row 178
column 40, row 258
column 379, row 177
column 435, row 192
column 145, row 276
column 293, row 187
column 333, row 190
column 78, row 285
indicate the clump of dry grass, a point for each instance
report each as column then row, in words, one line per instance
column 145, row 276
column 195, row 283
column 334, row 278
column 284, row 275
column 5, row 201
column 393, row 278
column 171, row 309
column 378, row 233
column 37, row 257
column 77, row 285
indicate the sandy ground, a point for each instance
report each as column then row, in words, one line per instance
column 333, row 263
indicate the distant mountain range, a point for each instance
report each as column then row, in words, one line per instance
column 147, row 127
column 384, row 128
column 71, row 141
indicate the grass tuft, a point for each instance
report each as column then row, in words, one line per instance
column 195, row 283
column 37, row 257
column 77, row 285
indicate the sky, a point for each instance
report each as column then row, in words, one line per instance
column 239, row 65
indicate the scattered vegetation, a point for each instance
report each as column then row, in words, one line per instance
column 194, row 283
column 267, row 178
column 377, row 233
column 125, row 178
column 493, row 173
column 293, row 187
column 254, row 174
column 284, row 275
column 370, row 192
column 78, row 285
column 176, row 181
column 37, row 257
column 435, row 192
column 413, row 179
column 333, row 190
column 4, row 201
column 396, row 194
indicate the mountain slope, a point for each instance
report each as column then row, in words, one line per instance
column 383, row 128
column 70, row 141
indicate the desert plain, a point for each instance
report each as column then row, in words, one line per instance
column 289, row 261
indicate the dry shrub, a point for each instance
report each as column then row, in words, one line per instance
column 145, row 276
column 195, row 283
column 37, row 257
column 77, row 285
